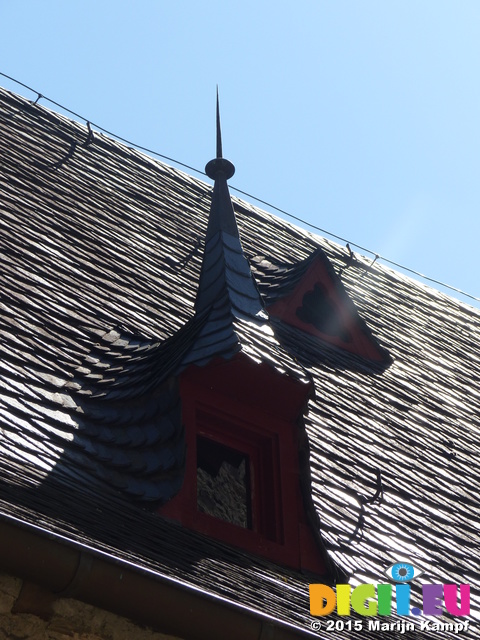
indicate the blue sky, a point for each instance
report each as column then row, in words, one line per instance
column 360, row 117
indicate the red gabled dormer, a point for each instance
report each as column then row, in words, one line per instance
column 310, row 296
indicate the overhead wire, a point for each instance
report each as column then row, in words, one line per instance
column 152, row 152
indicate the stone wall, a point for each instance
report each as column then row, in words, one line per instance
column 29, row 613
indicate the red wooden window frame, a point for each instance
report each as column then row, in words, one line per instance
column 262, row 451
column 251, row 414
column 271, row 456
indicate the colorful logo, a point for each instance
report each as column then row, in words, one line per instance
column 385, row 599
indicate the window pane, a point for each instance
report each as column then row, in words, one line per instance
column 223, row 483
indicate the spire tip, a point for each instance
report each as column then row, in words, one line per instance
column 220, row 164
column 219, row 130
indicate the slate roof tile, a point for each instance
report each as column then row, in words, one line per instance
column 101, row 256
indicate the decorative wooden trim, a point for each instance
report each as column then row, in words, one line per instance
column 320, row 306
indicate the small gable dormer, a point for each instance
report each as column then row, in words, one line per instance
column 310, row 296
column 243, row 399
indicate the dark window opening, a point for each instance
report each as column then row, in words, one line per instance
column 320, row 311
column 223, row 483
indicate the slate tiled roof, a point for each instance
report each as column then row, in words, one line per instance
column 101, row 251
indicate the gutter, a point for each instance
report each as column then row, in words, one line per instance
column 71, row 570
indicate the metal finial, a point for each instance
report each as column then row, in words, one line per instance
column 219, row 131
column 219, row 166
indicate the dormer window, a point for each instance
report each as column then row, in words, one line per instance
column 242, row 478
column 238, row 471
column 311, row 297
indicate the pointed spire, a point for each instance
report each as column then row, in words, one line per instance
column 219, row 164
column 222, row 217
column 225, row 273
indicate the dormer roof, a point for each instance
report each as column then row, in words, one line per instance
column 225, row 278
column 228, row 303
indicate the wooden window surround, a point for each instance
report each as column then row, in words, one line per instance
column 260, row 451
column 240, row 412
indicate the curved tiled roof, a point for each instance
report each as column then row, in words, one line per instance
column 101, row 258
